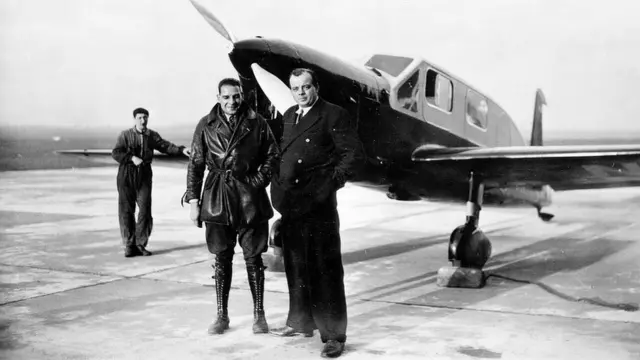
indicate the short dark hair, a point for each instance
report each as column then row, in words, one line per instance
column 230, row 82
column 140, row 111
column 300, row 71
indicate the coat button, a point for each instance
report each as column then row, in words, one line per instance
column 296, row 181
column 307, row 140
column 299, row 161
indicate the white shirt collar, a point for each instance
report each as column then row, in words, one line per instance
column 305, row 110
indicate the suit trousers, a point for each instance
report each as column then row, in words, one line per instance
column 315, row 275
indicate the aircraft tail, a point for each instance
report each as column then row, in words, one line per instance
column 536, row 130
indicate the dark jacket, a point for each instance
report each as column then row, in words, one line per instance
column 240, row 164
column 133, row 143
column 321, row 154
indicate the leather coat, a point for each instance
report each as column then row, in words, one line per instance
column 240, row 164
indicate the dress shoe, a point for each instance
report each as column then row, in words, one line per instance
column 131, row 251
column 143, row 251
column 289, row 331
column 332, row 349
column 219, row 326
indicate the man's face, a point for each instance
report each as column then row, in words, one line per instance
column 230, row 98
column 141, row 120
column 302, row 89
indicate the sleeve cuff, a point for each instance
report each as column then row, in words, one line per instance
column 340, row 179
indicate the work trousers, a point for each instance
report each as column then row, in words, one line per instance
column 134, row 187
column 315, row 275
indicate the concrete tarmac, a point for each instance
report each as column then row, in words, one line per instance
column 69, row 293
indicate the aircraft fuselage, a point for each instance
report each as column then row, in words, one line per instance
column 389, row 131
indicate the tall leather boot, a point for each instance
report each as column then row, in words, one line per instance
column 223, row 270
column 255, row 274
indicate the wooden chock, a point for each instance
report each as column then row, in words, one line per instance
column 460, row 277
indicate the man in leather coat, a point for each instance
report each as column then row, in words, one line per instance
column 237, row 147
column 134, row 152
column 320, row 150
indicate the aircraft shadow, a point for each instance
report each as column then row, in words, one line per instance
column 559, row 254
column 564, row 254
column 178, row 248
column 397, row 248
column 392, row 249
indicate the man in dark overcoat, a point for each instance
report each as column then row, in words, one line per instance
column 134, row 152
column 237, row 147
column 320, row 151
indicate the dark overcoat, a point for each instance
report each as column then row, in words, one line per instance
column 321, row 154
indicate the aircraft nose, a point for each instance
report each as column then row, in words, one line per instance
column 269, row 63
column 254, row 49
column 247, row 52
column 272, row 55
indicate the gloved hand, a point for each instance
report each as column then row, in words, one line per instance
column 257, row 180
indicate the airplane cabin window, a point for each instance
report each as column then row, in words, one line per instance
column 408, row 93
column 477, row 109
column 439, row 91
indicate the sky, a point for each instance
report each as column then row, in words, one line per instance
column 91, row 62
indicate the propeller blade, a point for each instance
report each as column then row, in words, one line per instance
column 277, row 92
column 214, row 22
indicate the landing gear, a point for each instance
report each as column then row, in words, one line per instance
column 544, row 216
column 469, row 247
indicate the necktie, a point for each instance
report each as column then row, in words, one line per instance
column 232, row 122
column 298, row 117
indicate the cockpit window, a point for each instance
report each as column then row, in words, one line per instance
column 477, row 109
column 392, row 65
column 408, row 93
column 439, row 91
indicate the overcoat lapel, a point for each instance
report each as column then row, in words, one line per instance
column 307, row 122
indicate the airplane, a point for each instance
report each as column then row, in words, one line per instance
column 427, row 134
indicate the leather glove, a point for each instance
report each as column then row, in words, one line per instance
column 256, row 180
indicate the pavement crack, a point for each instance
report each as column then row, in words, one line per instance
column 61, row 291
column 100, row 282
column 169, row 268
column 506, row 312
column 61, row 270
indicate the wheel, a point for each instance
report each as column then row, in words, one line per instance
column 470, row 246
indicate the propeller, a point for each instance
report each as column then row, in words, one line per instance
column 277, row 92
column 214, row 22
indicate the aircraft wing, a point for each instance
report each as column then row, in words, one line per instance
column 104, row 156
column 561, row 167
